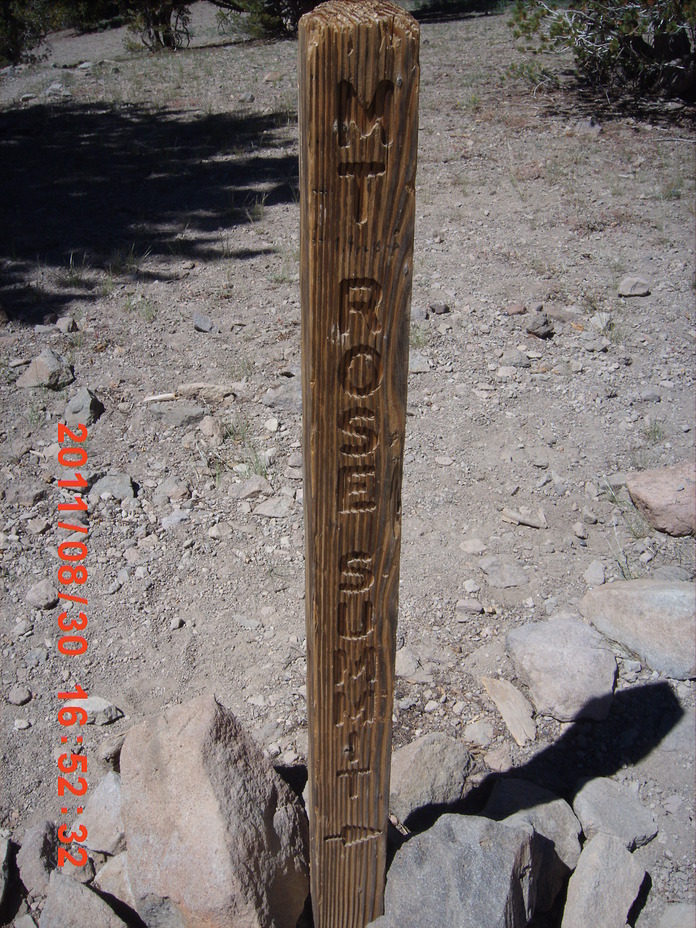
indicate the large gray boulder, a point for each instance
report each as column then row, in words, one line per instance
column 570, row 669
column 465, row 871
column 37, row 857
column 602, row 805
column 432, row 769
column 102, row 817
column 69, row 904
column 654, row 618
column 513, row 801
column 605, row 885
column 215, row 837
column 47, row 369
column 666, row 497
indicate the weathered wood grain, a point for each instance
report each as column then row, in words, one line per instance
column 358, row 145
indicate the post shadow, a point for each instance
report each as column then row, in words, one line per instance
column 639, row 719
column 94, row 180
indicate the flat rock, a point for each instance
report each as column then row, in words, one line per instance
column 99, row 711
column 113, row 879
column 24, row 921
column 193, row 771
column 178, row 415
column 654, row 618
column 479, row 732
column 417, row 363
column 472, row 545
column 85, row 407
column 49, row 370
column 666, row 497
column 120, row 486
column 19, row 695
column 513, row 357
column 69, row 904
column 602, row 805
column 604, row 886
column 4, row 866
column 277, row 507
column 594, row 575
column 551, row 817
column 409, row 667
column 502, row 574
column 42, row 595
column 37, row 857
column 428, row 771
column 516, row 710
column 202, row 323
column 465, row 871
column 678, row 915
column 175, row 518
column 287, row 395
column 634, row 286
column 569, row 668
column 102, row 817
column 254, row 486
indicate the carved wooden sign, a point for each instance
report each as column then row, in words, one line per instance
column 358, row 146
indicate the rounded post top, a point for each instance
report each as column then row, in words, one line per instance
column 351, row 13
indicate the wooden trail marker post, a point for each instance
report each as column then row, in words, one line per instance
column 358, row 146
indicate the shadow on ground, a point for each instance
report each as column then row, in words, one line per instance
column 106, row 186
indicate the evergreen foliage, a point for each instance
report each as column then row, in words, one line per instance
column 645, row 46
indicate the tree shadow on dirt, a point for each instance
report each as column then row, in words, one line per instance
column 442, row 11
column 106, row 186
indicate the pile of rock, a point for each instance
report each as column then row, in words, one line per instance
column 512, row 861
column 197, row 830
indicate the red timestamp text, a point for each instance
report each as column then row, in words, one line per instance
column 72, row 575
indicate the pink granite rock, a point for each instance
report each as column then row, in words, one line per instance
column 215, row 838
column 666, row 497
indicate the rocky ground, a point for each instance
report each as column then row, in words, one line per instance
column 149, row 254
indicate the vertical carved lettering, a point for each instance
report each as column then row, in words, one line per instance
column 361, row 370
column 366, row 121
column 356, row 617
column 357, row 572
column 355, row 675
column 361, row 297
column 358, row 426
column 356, row 489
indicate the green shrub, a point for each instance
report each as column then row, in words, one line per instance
column 158, row 24
column 261, row 18
column 24, row 25
column 645, row 46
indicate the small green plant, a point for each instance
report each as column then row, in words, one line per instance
column 242, row 368
column 419, row 337
column 126, row 261
column 148, row 310
column 535, row 75
column 74, row 275
column 256, row 462
column 108, row 285
column 653, row 432
column 257, row 210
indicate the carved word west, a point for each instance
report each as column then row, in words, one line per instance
column 363, row 142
